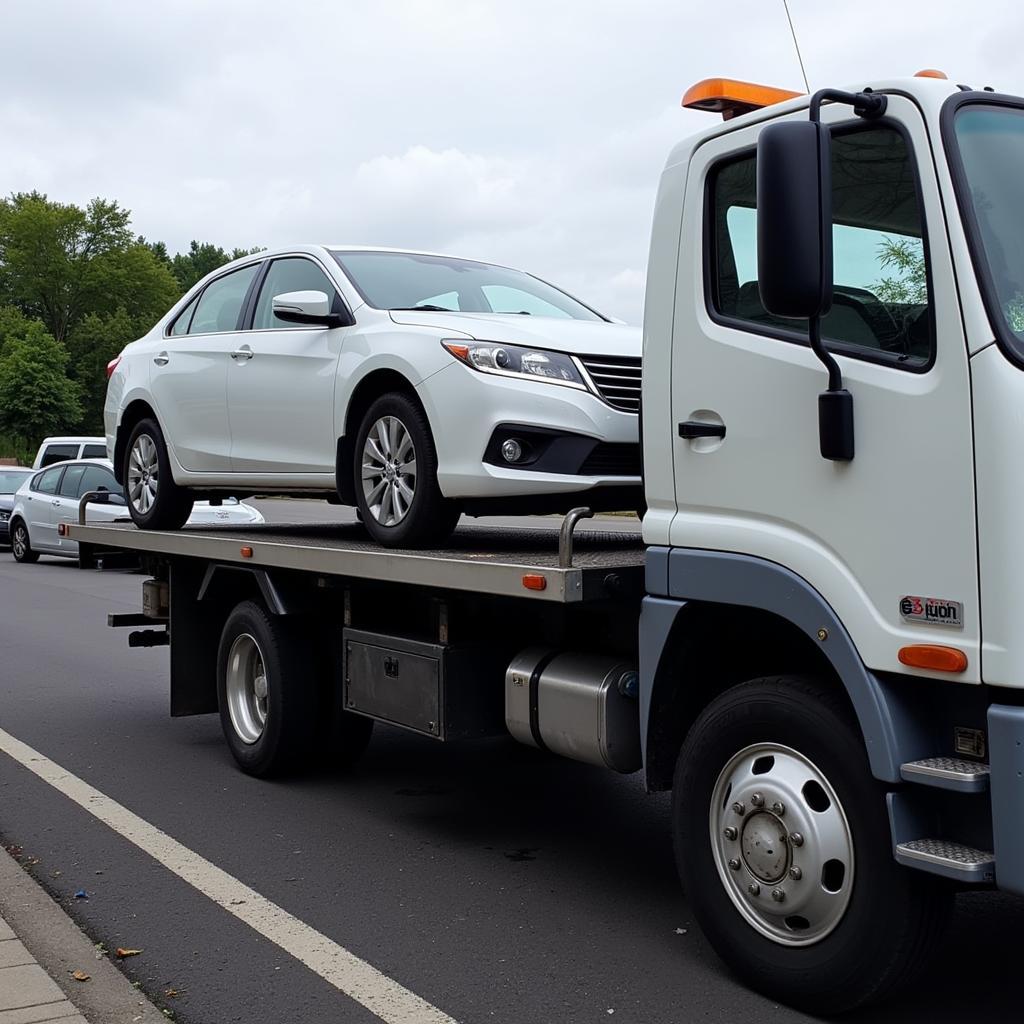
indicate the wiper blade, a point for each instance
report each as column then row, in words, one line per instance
column 429, row 309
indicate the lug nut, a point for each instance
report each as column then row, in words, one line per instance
column 754, row 889
column 796, row 839
column 779, row 808
column 734, row 865
column 795, row 873
column 778, row 895
column 738, row 808
column 756, row 800
column 730, row 833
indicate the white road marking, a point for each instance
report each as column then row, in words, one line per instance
column 336, row 965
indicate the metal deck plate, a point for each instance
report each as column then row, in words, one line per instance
column 476, row 558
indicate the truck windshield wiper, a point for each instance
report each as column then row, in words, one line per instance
column 431, row 309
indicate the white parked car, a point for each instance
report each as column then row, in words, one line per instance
column 62, row 449
column 50, row 497
column 411, row 385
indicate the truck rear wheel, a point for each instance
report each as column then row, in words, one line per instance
column 783, row 846
column 266, row 690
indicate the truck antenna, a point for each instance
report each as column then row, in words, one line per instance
column 796, row 45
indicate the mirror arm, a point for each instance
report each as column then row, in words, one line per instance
column 867, row 104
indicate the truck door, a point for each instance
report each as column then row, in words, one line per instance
column 897, row 522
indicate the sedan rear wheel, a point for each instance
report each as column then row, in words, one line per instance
column 155, row 501
column 21, row 547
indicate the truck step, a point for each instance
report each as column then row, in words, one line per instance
column 947, row 773
column 945, row 857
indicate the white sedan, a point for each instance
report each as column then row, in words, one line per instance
column 411, row 385
column 51, row 497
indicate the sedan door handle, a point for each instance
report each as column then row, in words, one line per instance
column 691, row 429
column 243, row 353
column 162, row 359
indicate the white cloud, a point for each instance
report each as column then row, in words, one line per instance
column 530, row 133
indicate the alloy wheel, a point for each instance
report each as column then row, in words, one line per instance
column 247, row 688
column 143, row 474
column 19, row 542
column 782, row 844
column 389, row 471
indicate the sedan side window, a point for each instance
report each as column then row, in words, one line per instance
column 69, row 484
column 288, row 275
column 183, row 319
column 97, row 478
column 46, row 483
column 220, row 305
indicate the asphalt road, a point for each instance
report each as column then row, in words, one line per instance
column 495, row 882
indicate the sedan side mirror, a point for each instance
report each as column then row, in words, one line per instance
column 310, row 307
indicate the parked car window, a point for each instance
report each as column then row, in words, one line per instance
column 881, row 298
column 288, row 275
column 98, row 478
column 504, row 299
column 184, row 319
column 59, row 453
column 94, row 451
column 46, row 483
column 402, row 280
column 69, row 483
column 221, row 302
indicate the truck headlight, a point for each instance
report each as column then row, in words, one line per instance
column 518, row 361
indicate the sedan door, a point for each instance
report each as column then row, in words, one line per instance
column 281, row 385
column 40, row 507
column 189, row 372
column 81, row 479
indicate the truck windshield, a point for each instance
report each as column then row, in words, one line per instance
column 401, row 280
column 990, row 140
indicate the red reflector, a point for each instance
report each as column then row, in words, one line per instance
column 934, row 657
column 112, row 366
column 246, row 552
column 534, row 581
column 62, row 529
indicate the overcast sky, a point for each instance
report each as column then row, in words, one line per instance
column 528, row 133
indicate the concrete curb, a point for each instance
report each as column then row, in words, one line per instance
column 60, row 947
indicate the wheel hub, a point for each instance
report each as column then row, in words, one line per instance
column 388, row 471
column 765, row 847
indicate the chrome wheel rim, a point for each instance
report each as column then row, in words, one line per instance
column 247, row 688
column 143, row 474
column 782, row 844
column 19, row 542
column 389, row 471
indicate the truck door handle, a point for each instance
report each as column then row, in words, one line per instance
column 695, row 428
column 243, row 353
column 162, row 359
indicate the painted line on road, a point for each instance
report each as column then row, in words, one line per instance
column 344, row 970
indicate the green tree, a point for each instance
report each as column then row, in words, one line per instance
column 91, row 346
column 59, row 262
column 201, row 259
column 14, row 324
column 36, row 397
column 908, row 281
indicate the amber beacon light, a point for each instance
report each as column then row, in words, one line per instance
column 730, row 97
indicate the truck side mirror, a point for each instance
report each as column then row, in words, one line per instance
column 794, row 219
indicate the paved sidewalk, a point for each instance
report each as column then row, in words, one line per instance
column 27, row 993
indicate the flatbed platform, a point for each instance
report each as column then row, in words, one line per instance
column 479, row 559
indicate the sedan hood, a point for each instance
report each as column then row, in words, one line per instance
column 6, row 502
column 580, row 337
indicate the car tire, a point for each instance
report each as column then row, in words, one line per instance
column 155, row 501
column 399, row 506
column 21, row 546
column 266, row 692
column 817, row 937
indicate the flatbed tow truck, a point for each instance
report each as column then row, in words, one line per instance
column 817, row 646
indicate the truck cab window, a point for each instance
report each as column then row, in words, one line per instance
column 881, row 305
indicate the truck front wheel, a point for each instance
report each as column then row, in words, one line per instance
column 782, row 842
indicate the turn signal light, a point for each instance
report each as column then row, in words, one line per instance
column 730, row 98
column 534, row 581
column 112, row 366
column 934, row 657
column 246, row 552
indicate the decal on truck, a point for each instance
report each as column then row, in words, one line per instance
column 934, row 610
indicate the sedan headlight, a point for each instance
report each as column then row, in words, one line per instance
column 518, row 361
column 5, row 517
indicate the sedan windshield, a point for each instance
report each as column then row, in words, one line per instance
column 990, row 139
column 399, row 280
column 12, row 479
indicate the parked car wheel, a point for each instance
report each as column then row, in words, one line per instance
column 395, row 470
column 782, row 841
column 155, row 501
column 21, row 548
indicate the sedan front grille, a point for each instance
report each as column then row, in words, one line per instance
column 617, row 379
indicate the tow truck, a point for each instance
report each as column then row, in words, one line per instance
column 816, row 646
